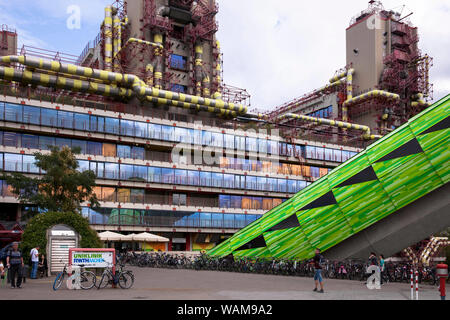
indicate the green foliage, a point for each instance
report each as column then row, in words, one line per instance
column 61, row 189
column 35, row 233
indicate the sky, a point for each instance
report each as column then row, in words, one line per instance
column 277, row 50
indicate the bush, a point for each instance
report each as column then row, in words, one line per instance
column 35, row 233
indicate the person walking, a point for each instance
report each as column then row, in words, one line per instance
column 318, row 279
column 382, row 268
column 14, row 262
column 34, row 253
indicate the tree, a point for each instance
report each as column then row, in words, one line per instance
column 62, row 188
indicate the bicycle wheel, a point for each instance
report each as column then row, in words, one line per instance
column 104, row 281
column 126, row 280
column 87, row 280
column 58, row 281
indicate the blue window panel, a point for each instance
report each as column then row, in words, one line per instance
column 193, row 178
column 251, row 144
column 315, row 172
column 124, row 152
column 181, row 135
column 154, row 175
column 205, row 179
column 320, row 153
column 181, row 177
column 178, row 88
column 224, row 201
column 217, row 220
column 311, row 152
column 94, row 148
column 1, row 161
column 100, row 170
column 229, row 141
column 94, row 124
column 2, row 111
column 337, row 155
column 80, row 144
column 127, row 128
column 138, row 153
column 167, row 175
column 228, row 181
column 238, row 183
column 217, row 140
column 46, row 142
column 13, row 112
column 126, row 172
column 240, row 143
column 112, row 126
column 167, row 133
column 262, row 146
column 345, row 156
column 262, row 183
column 12, row 139
column 246, row 165
column 49, row 117
column 30, row 141
column 251, row 183
column 178, row 62
column 236, row 202
column 111, row 171
column 83, row 165
column 228, row 221
column 61, row 143
column 301, row 185
column 82, row 122
column 240, row 220
column 65, row 119
column 29, row 165
column 217, row 180
column 140, row 173
column 13, row 162
column 154, row 131
column 282, row 185
column 274, row 147
column 206, row 138
column 329, row 154
column 272, row 184
column 292, row 186
column 31, row 115
column 141, row 130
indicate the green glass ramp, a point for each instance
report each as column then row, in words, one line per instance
column 397, row 170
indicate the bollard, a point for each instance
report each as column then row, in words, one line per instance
column 412, row 284
column 417, row 285
column 442, row 273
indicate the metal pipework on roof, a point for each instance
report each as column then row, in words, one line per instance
column 108, row 26
column 186, row 105
column 218, row 77
column 60, row 82
column 158, row 61
column 139, row 87
column 340, row 124
column 418, row 101
column 371, row 94
column 117, row 41
column 148, row 43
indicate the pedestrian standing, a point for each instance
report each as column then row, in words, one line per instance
column 14, row 262
column 382, row 268
column 34, row 253
column 318, row 279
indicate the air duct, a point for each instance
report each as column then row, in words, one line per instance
column 108, row 24
column 117, row 42
column 340, row 124
column 370, row 95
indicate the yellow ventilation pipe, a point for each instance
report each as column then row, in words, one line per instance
column 339, row 76
column 139, row 87
column 158, row 75
column 369, row 95
column 108, row 24
column 35, row 78
column 340, row 124
column 117, row 42
column 419, row 101
column 350, row 73
column 218, row 77
column 198, row 69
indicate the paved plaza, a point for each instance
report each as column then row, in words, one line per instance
column 163, row 284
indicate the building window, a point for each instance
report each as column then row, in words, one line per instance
column 178, row 62
column 179, row 199
column 178, row 88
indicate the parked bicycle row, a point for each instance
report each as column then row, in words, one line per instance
column 349, row 270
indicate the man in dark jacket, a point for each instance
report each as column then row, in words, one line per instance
column 14, row 262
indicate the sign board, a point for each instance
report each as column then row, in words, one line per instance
column 92, row 258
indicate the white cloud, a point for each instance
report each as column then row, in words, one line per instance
column 279, row 50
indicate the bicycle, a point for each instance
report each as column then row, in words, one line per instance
column 87, row 279
column 125, row 279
